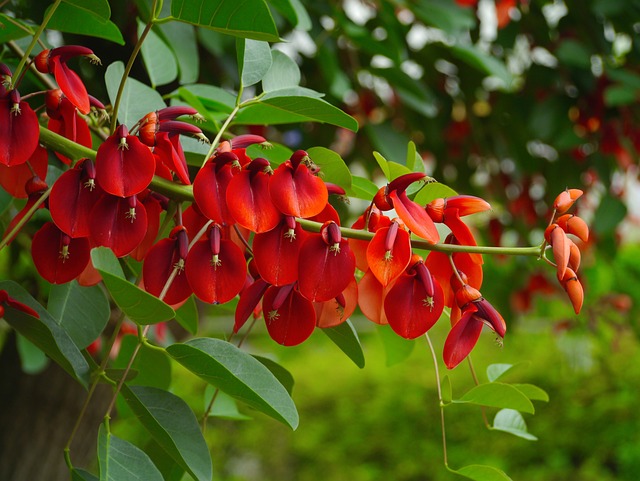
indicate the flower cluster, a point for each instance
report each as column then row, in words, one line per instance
column 243, row 233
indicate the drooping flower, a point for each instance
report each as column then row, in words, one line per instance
column 565, row 200
column 65, row 120
column 19, row 131
column 57, row 257
column 295, row 190
column 14, row 179
column 327, row 264
column 124, row 165
column 414, row 216
column 216, row 267
column 249, row 200
column 389, row 252
column 476, row 312
column 289, row 316
column 54, row 61
column 335, row 311
column 165, row 257
column 415, row 301
column 118, row 223
column 210, row 187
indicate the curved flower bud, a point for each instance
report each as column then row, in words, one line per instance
column 565, row 200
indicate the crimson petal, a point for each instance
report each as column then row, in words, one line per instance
column 216, row 281
column 19, row 133
column 276, row 253
column 332, row 313
column 71, row 126
column 388, row 264
column 117, row 225
column 462, row 338
column 409, row 309
column 292, row 322
column 13, row 179
column 57, row 257
column 297, row 192
column 158, row 266
column 71, row 84
column 124, row 169
column 249, row 201
column 210, row 192
column 415, row 217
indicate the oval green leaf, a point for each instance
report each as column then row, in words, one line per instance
column 140, row 306
column 346, row 338
column 45, row 333
column 137, row 98
column 497, row 395
column 82, row 475
column 497, row 371
column 254, row 61
column 74, row 18
column 120, row 460
column 284, row 72
column 159, row 60
column 281, row 374
column 478, row 472
column 533, row 392
column 238, row 374
column 332, row 168
column 246, row 19
column 187, row 315
column 82, row 311
column 511, row 421
column 173, row 426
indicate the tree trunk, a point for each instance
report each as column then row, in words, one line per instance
column 37, row 414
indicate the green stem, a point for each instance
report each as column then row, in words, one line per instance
column 129, row 66
column 34, row 40
column 25, row 219
column 216, row 140
column 442, row 423
column 185, row 193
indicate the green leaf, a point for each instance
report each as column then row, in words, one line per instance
column 281, row 108
column 120, row 460
column 433, row 190
column 511, row 421
column 45, row 333
column 497, row 395
column 284, row 72
column 74, row 18
column 396, row 348
column 153, row 365
column 608, row 215
column 294, row 12
column 497, row 371
column 32, row 359
column 224, row 406
column 254, row 61
column 486, row 63
column 362, row 188
column 173, row 426
column 533, row 392
column 281, row 374
column 99, row 8
column 414, row 162
column 445, row 15
column 276, row 155
column 181, row 38
column 478, row 472
column 137, row 98
column 10, row 31
column 346, row 338
column 574, row 54
column 187, row 315
column 616, row 95
column 383, row 164
column 82, row 475
column 238, row 374
column 332, row 167
column 159, row 60
column 140, row 306
column 447, row 392
column 246, row 19
column 213, row 98
column 82, row 311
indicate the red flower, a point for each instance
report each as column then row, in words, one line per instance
column 394, row 196
column 389, row 252
column 165, row 256
column 216, row 268
column 289, row 316
column 476, row 312
column 57, row 257
column 19, row 131
column 210, row 187
column 65, row 120
column 124, row 166
column 54, row 61
column 72, row 198
column 248, row 197
column 295, row 190
column 6, row 300
column 14, row 179
column 337, row 310
column 327, row 264
column 276, row 252
column 118, row 223
column 415, row 302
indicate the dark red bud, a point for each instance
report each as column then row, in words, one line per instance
column 425, row 278
column 299, row 156
column 282, row 294
column 245, row 140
